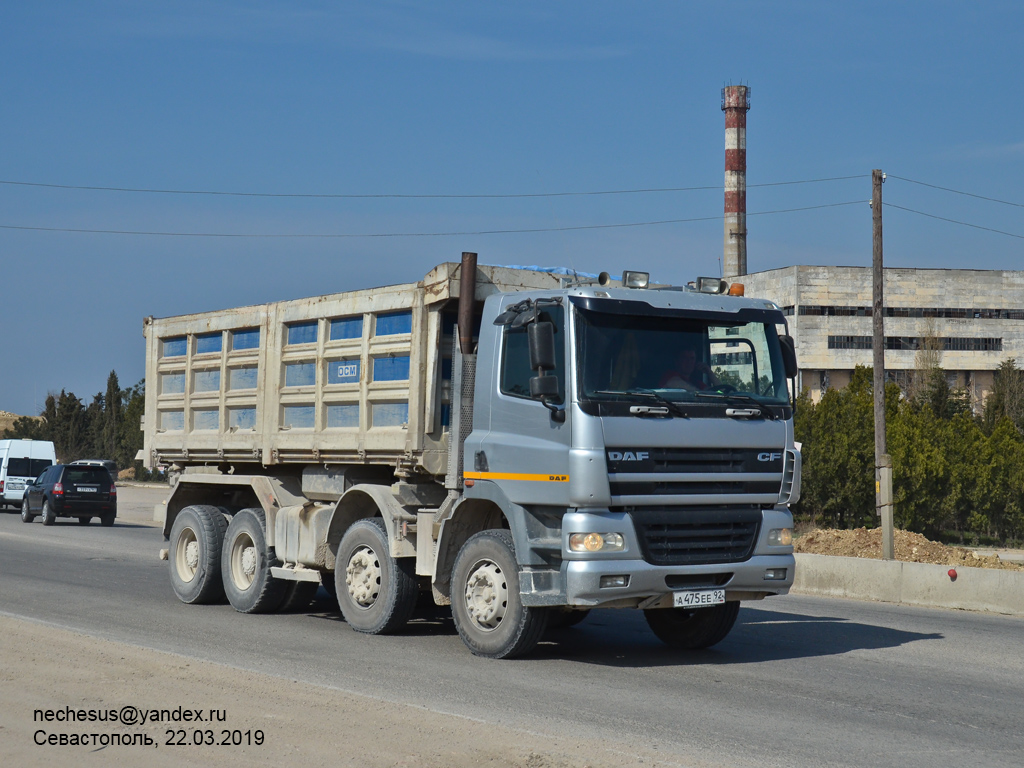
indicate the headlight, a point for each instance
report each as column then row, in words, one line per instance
column 780, row 537
column 596, row 542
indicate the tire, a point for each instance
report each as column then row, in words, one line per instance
column 298, row 595
column 197, row 537
column 488, row 611
column 26, row 516
column 107, row 520
column 84, row 520
column 245, row 563
column 376, row 592
column 690, row 629
column 48, row 517
column 564, row 618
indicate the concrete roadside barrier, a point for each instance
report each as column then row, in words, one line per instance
column 921, row 584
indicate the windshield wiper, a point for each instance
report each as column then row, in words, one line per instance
column 769, row 407
column 672, row 407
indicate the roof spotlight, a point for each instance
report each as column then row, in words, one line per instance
column 632, row 279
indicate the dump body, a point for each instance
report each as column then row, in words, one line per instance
column 348, row 377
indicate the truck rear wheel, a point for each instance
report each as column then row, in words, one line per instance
column 376, row 592
column 196, row 540
column 488, row 611
column 245, row 565
column 692, row 628
column 48, row 517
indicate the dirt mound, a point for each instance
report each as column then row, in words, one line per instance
column 910, row 548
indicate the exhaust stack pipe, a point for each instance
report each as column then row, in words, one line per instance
column 467, row 297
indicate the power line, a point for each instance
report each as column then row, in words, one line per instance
column 408, row 234
column 954, row 221
column 651, row 190
column 957, row 191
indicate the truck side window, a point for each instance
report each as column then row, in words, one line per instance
column 515, row 357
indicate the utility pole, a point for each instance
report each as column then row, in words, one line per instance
column 883, row 462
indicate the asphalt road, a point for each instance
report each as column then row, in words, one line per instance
column 799, row 682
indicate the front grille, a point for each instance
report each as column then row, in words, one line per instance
column 690, row 460
column 683, row 536
column 689, row 489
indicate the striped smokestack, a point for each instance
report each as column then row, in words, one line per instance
column 735, row 103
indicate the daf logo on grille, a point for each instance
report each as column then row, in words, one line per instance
column 768, row 456
column 628, row 455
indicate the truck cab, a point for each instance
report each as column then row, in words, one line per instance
column 631, row 483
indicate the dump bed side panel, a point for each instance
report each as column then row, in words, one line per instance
column 346, row 377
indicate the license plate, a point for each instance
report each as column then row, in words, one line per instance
column 16, row 486
column 87, row 490
column 700, row 599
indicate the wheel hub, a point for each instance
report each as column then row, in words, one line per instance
column 249, row 561
column 362, row 576
column 192, row 555
column 486, row 595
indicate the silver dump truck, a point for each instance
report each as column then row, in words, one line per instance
column 519, row 445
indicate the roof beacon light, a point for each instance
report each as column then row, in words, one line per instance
column 736, row 289
column 711, row 285
column 632, row 279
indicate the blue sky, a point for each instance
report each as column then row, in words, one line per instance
column 405, row 98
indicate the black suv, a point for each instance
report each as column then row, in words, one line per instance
column 71, row 490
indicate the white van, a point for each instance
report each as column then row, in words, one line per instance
column 20, row 462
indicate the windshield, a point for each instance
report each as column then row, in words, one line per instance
column 679, row 359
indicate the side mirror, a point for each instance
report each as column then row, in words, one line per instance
column 542, row 387
column 788, row 356
column 541, row 338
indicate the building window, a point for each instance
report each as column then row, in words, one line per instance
column 913, row 343
column 950, row 313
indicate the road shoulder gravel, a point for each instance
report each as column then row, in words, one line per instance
column 47, row 668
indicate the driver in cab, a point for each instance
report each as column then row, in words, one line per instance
column 688, row 373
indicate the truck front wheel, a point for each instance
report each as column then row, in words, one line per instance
column 376, row 592
column 245, row 565
column 486, row 606
column 692, row 628
column 196, row 540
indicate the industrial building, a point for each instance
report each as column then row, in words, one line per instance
column 967, row 321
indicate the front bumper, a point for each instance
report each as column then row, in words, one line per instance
column 745, row 580
column 742, row 579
